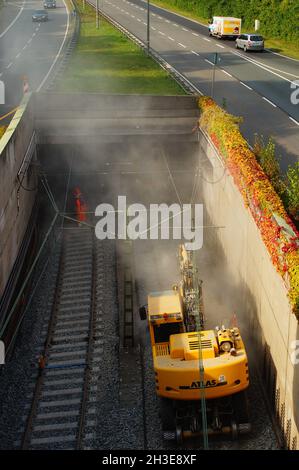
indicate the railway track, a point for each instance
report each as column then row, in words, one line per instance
column 61, row 411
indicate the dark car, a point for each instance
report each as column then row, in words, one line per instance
column 40, row 15
column 50, row 4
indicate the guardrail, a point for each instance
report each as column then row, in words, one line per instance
column 187, row 86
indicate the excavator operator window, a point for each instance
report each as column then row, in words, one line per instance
column 163, row 331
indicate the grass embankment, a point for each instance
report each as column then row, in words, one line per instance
column 281, row 46
column 104, row 61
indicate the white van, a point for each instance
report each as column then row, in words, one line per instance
column 225, row 27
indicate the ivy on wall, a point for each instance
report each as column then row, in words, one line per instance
column 277, row 229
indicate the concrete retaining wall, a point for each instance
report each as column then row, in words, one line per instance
column 94, row 118
column 263, row 301
column 16, row 203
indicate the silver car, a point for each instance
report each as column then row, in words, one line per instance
column 250, row 42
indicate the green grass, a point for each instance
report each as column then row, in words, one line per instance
column 283, row 47
column 104, row 61
column 276, row 45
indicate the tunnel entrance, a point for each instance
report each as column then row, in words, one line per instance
column 146, row 173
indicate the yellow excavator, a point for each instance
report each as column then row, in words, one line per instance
column 200, row 375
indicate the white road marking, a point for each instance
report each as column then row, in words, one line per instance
column 167, row 21
column 195, row 34
column 270, row 102
column 184, row 29
column 171, row 39
column 211, row 63
column 193, row 52
column 153, row 28
column 9, row 65
column 177, row 14
column 29, row 41
column 24, row 47
column 143, row 22
column 13, row 21
column 270, row 70
column 132, row 16
column 161, row 32
column 226, row 73
column 34, row 34
column 138, row 19
column 294, row 120
column 206, row 39
column 174, row 24
column 246, row 86
column 18, row 55
column 183, row 45
column 219, row 45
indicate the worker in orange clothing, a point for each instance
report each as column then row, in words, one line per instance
column 41, row 364
column 81, row 207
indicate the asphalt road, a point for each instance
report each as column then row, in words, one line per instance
column 254, row 85
column 28, row 48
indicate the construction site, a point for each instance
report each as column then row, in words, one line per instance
column 83, row 369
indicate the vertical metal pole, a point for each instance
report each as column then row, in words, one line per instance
column 148, row 27
column 199, row 319
column 213, row 76
column 97, row 14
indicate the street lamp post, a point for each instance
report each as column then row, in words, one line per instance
column 148, row 27
column 213, row 76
